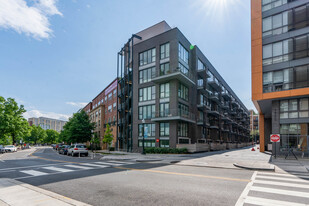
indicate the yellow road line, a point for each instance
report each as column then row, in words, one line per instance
column 42, row 158
column 186, row 174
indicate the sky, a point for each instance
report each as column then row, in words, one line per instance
column 57, row 55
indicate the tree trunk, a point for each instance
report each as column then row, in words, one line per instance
column 13, row 138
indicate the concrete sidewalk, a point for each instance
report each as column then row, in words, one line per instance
column 291, row 165
column 16, row 193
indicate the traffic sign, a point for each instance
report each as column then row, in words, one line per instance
column 275, row 138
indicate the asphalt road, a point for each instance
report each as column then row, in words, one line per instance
column 126, row 182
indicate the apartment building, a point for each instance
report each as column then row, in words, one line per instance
column 169, row 90
column 280, row 76
column 254, row 125
column 102, row 110
column 47, row 123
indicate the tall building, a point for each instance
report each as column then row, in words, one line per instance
column 47, row 123
column 169, row 90
column 254, row 125
column 102, row 110
column 280, row 76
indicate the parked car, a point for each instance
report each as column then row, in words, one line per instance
column 63, row 149
column 77, row 149
column 57, row 146
column 53, row 146
column 10, row 148
column 2, row 149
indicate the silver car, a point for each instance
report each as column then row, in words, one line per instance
column 78, row 149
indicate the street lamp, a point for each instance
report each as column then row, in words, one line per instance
column 143, row 152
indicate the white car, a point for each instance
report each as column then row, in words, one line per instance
column 78, row 149
column 10, row 148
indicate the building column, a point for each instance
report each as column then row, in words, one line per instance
column 262, row 136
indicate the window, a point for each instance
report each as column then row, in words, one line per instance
column 165, row 51
column 110, row 108
column 183, row 110
column 303, row 107
column 164, row 90
column 301, row 76
column 294, row 108
column 200, row 65
column 182, row 129
column 114, row 105
column 110, row 96
column 164, row 129
column 147, row 57
column 183, row 92
column 270, row 4
column 147, row 75
column 115, row 92
column 150, row 127
column 164, row 109
column 147, row 143
column 146, row 112
column 105, row 98
column 278, row 52
column 147, row 94
column 183, row 69
column 164, row 69
column 164, row 143
column 183, row 54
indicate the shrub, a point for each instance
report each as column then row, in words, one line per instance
column 112, row 149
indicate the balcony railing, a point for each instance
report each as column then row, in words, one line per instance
column 174, row 114
column 175, row 73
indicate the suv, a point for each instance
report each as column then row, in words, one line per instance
column 10, row 148
column 2, row 149
column 78, row 149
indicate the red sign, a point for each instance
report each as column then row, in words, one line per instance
column 275, row 138
column 157, row 140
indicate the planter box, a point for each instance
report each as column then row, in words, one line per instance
column 197, row 147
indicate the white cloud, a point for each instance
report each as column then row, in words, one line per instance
column 77, row 104
column 37, row 113
column 31, row 20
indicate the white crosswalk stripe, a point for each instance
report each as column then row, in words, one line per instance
column 281, row 187
column 63, row 168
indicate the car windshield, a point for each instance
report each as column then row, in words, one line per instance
column 10, row 146
column 80, row 146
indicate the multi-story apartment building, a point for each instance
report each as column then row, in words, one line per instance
column 169, row 90
column 254, row 125
column 280, row 76
column 102, row 110
column 47, row 123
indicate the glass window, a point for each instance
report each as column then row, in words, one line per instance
column 164, row 143
column 150, row 127
column 277, row 21
column 301, row 76
column 147, row 94
column 164, row 69
column 164, row 109
column 267, row 78
column 147, row 57
column 147, row 75
column 293, row 105
column 200, row 65
column 164, row 51
column 146, row 112
column 267, row 51
column 277, row 49
column 183, row 92
column 165, row 90
column 267, row 22
column 164, row 129
column 182, row 129
column 183, row 54
column 278, row 77
column 303, row 104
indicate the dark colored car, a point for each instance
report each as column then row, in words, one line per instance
column 58, row 146
column 63, row 149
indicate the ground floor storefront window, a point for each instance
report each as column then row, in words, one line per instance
column 148, row 143
column 164, row 143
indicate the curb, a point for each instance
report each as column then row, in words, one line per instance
column 207, row 166
column 254, row 168
column 150, row 160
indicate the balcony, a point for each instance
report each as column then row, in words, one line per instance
column 225, row 105
column 200, row 122
column 226, row 128
column 214, row 97
column 215, row 84
column 214, row 125
column 174, row 114
column 226, row 95
column 186, row 78
column 214, row 112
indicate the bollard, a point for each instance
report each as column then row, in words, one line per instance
column 79, row 155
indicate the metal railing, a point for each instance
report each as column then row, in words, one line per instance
column 176, row 70
column 175, row 113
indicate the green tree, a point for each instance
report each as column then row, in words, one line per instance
column 37, row 135
column 51, row 136
column 12, row 123
column 95, row 141
column 108, row 136
column 78, row 129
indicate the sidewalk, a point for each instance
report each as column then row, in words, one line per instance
column 291, row 165
column 16, row 193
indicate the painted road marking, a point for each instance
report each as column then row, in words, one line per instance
column 125, row 163
column 284, row 175
column 285, row 184
column 108, row 163
column 57, row 169
column 269, row 202
column 78, row 167
column 280, row 192
column 283, row 179
column 95, row 165
column 33, row 172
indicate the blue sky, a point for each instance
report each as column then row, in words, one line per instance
column 58, row 55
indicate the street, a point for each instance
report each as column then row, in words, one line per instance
column 98, row 182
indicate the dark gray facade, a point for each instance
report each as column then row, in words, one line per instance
column 189, row 101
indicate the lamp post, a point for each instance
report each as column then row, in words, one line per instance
column 143, row 152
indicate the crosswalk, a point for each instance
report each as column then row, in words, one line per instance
column 275, row 189
column 70, row 167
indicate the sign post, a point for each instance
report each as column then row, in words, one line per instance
column 275, row 138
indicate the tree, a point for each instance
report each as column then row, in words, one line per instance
column 51, row 136
column 37, row 135
column 95, row 140
column 78, row 129
column 12, row 123
column 108, row 136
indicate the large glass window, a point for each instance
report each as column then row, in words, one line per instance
column 164, row 129
column 147, row 143
column 183, row 54
column 150, row 127
column 146, row 112
column 182, row 129
column 270, row 4
column 147, row 57
column 303, row 107
column 183, row 92
column 200, row 65
column 301, row 76
column 294, row 108
column 277, row 52
column 183, row 110
column 165, row 51
column 147, row 94
column 164, row 69
column 165, row 90
column 164, row 109
column 147, row 75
